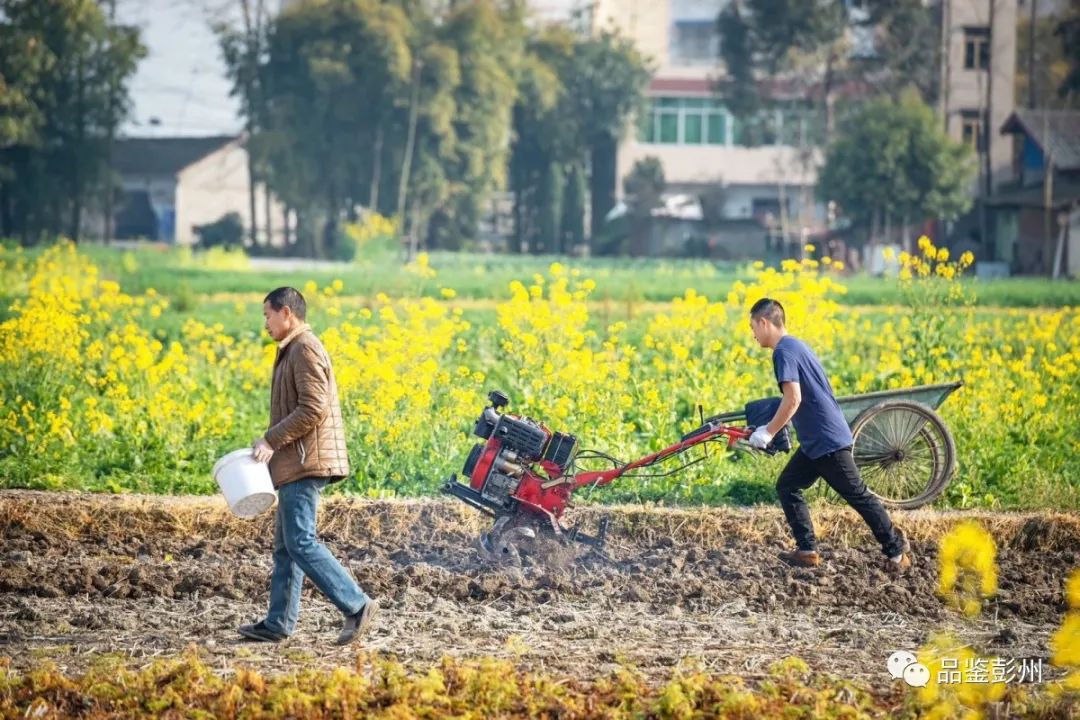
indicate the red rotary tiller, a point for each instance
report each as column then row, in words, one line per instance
column 524, row 474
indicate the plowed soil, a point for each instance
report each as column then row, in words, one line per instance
column 146, row 577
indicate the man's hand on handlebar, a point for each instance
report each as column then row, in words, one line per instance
column 760, row 438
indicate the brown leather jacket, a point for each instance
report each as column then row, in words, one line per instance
column 306, row 430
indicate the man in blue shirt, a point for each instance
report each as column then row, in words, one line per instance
column 824, row 443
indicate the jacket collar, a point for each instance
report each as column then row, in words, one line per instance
column 304, row 327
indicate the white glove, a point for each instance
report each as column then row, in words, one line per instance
column 760, row 438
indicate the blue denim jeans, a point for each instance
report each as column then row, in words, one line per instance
column 297, row 552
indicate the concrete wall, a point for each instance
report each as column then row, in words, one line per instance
column 217, row 185
column 652, row 25
column 646, row 21
column 729, row 165
column 741, row 173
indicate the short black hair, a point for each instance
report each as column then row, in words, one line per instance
column 769, row 309
column 290, row 298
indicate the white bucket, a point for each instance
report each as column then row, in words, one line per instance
column 245, row 483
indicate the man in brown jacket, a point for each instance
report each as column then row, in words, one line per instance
column 305, row 448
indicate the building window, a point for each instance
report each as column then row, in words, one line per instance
column 790, row 124
column 705, row 121
column 684, row 121
column 971, row 129
column 694, row 42
column 976, row 48
column 757, row 130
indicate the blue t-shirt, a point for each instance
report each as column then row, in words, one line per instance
column 818, row 421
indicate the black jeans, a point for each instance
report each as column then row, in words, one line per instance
column 838, row 469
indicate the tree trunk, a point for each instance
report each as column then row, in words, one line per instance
column 516, row 239
column 943, row 90
column 573, row 216
column 828, row 99
column 80, row 147
column 376, row 168
column 304, row 241
column 267, row 197
column 251, row 47
column 602, row 180
column 550, row 209
column 253, row 229
column 5, row 211
column 414, row 230
column 410, row 142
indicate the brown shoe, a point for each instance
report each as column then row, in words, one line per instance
column 801, row 558
column 905, row 545
column 355, row 625
column 899, row 567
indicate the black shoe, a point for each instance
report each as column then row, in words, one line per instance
column 260, row 633
column 356, row 624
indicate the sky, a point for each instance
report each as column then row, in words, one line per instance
column 180, row 88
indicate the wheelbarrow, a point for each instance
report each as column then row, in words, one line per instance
column 903, row 449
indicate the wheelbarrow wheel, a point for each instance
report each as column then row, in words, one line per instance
column 904, row 452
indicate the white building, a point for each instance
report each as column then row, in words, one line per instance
column 760, row 170
column 766, row 167
column 172, row 185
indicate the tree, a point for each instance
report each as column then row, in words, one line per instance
column 402, row 105
column 242, row 50
column 53, row 145
column 576, row 95
column 546, row 130
column 327, row 62
column 891, row 160
column 803, row 48
column 227, row 231
column 1068, row 30
column 607, row 90
column 644, row 186
column 1042, row 63
column 573, row 209
column 762, row 39
column 906, row 48
column 23, row 59
column 488, row 38
column 551, row 198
